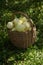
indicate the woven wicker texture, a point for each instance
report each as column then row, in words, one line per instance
column 23, row 39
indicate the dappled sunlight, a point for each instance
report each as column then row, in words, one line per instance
column 9, row 54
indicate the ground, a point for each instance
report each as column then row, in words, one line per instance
column 11, row 55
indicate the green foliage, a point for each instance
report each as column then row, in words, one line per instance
column 34, row 9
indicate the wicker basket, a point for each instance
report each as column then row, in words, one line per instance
column 23, row 39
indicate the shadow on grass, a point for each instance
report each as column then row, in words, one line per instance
column 11, row 54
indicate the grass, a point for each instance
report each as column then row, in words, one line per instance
column 11, row 55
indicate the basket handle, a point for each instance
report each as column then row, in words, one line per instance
column 22, row 13
column 26, row 15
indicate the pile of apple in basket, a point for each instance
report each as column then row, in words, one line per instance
column 20, row 24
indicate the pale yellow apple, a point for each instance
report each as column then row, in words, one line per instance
column 16, row 21
column 10, row 25
column 20, row 28
column 27, row 25
column 24, row 19
column 20, row 21
column 13, row 29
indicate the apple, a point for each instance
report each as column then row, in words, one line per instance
column 13, row 29
column 15, row 21
column 20, row 22
column 24, row 19
column 20, row 27
column 27, row 25
column 10, row 25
